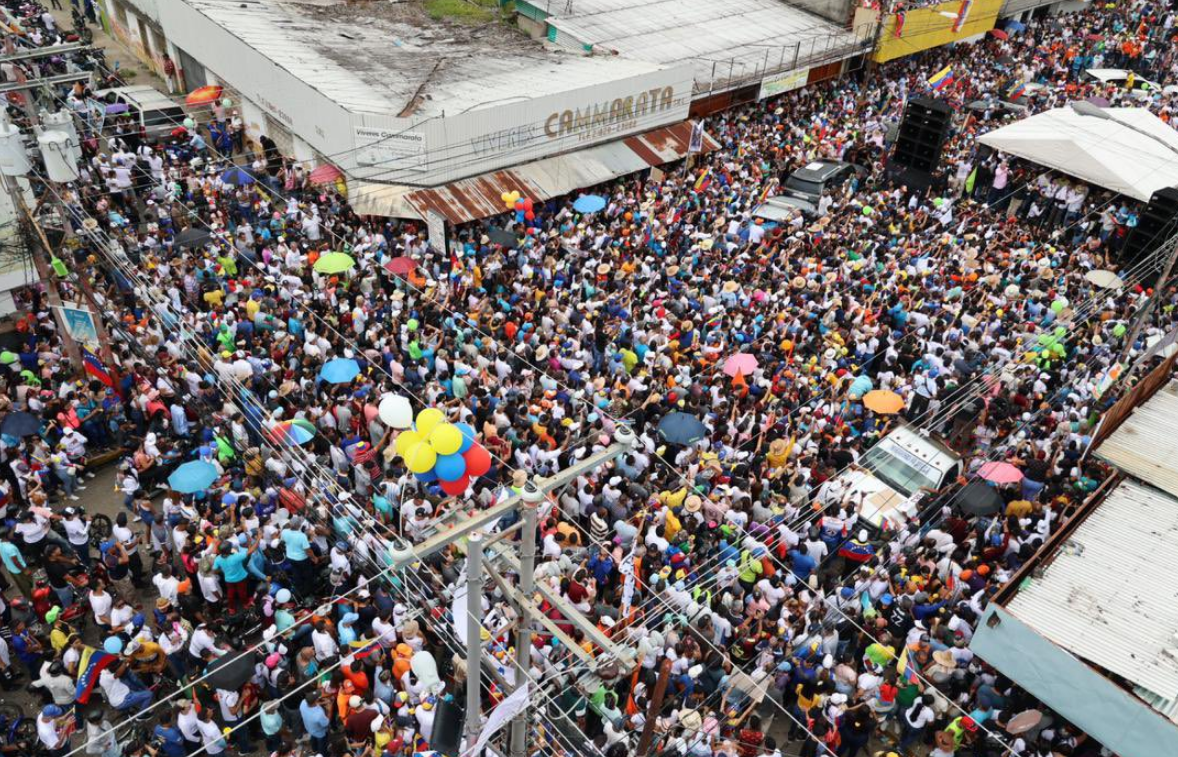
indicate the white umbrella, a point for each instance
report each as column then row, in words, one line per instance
column 1104, row 279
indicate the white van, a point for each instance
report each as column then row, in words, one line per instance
column 155, row 111
column 894, row 474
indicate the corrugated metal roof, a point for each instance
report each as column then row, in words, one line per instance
column 1110, row 596
column 479, row 197
column 738, row 39
column 370, row 198
column 1146, row 446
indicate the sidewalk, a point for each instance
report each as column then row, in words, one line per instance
column 115, row 52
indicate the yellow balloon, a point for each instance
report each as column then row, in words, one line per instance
column 446, row 439
column 421, row 458
column 428, row 419
column 406, row 440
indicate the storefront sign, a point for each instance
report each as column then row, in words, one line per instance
column 396, row 149
column 609, row 116
column 784, row 83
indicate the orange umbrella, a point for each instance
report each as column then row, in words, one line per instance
column 883, row 402
column 204, row 95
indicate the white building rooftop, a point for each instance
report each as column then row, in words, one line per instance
column 726, row 43
column 391, row 59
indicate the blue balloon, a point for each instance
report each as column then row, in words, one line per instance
column 427, row 477
column 113, row 645
column 467, row 437
column 450, row 467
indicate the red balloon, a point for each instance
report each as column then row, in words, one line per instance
column 478, row 460
column 529, row 215
column 528, row 204
column 454, row 488
column 520, row 205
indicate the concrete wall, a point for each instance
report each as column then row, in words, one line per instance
column 838, row 11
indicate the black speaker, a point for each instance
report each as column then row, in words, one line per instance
column 447, row 733
column 922, row 133
column 1156, row 223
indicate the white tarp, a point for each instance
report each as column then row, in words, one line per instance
column 1114, row 154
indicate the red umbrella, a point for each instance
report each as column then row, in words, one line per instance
column 401, row 266
column 204, row 95
column 998, row 34
column 325, row 174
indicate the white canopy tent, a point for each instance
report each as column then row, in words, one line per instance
column 1129, row 150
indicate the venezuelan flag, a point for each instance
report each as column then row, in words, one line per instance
column 704, row 181
column 942, row 78
column 905, row 669
column 1016, row 90
column 91, row 664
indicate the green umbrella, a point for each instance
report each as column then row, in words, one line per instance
column 334, row 262
column 8, row 358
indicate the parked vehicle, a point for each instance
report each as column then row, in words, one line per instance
column 805, row 187
column 894, row 473
column 157, row 113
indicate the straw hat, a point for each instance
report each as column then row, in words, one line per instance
column 519, row 478
column 693, row 503
column 731, row 286
column 944, row 658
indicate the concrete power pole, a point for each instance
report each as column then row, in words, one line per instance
column 474, row 637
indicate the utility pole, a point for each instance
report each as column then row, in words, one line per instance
column 483, row 553
column 531, row 499
column 474, row 637
column 656, row 704
column 54, row 296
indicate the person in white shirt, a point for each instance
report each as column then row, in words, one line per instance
column 50, row 731
column 323, row 642
column 187, row 720
column 101, row 602
column 210, row 733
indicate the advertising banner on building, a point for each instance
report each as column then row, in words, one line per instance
column 924, row 28
column 783, row 83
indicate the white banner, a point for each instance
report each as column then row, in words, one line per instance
column 503, row 714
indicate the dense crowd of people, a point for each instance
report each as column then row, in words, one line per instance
column 739, row 561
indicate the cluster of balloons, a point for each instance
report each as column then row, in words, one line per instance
column 523, row 207
column 435, row 450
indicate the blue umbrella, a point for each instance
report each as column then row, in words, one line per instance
column 339, row 371
column 237, row 177
column 589, row 203
column 681, row 428
column 1013, row 26
column 193, row 476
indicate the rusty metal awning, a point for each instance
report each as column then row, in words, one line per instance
column 479, row 196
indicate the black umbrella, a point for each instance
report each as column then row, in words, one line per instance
column 193, row 238
column 978, row 498
column 231, row 671
column 20, row 424
column 682, row 429
column 503, row 238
